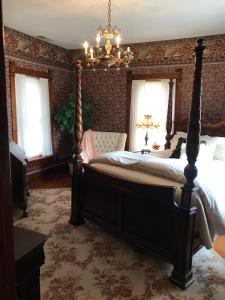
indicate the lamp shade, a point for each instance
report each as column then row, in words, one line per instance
column 147, row 122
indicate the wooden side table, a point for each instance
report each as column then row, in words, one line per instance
column 29, row 256
column 143, row 151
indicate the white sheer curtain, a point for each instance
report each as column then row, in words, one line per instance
column 33, row 115
column 148, row 98
column 173, row 105
column 138, row 93
column 45, row 114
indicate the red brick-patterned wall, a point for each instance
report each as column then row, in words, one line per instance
column 110, row 91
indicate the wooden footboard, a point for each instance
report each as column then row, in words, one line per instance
column 144, row 215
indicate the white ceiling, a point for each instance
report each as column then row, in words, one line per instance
column 69, row 22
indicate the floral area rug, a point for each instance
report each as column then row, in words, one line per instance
column 87, row 263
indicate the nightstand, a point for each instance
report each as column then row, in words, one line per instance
column 143, row 151
column 29, row 256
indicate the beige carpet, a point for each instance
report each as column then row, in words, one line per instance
column 87, row 263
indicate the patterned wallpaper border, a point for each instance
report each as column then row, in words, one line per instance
column 21, row 45
column 171, row 52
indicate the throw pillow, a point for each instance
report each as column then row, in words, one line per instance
column 177, row 151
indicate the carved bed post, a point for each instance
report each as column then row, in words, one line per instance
column 76, row 217
column 182, row 274
column 169, row 114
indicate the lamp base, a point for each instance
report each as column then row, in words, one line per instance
column 146, row 138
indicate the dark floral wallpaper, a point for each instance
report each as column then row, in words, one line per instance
column 110, row 88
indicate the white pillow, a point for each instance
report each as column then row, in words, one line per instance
column 217, row 143
column 220, row 145
column 206, row 152
column 163, row 153
column 220, row 149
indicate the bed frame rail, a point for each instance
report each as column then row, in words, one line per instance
column 132, row 211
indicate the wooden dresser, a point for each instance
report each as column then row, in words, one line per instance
column 29, row 256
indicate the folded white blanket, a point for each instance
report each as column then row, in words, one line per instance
column 210, row 203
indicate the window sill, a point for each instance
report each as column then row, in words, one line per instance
column 39, row 163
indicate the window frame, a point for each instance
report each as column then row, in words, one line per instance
column 16, row 69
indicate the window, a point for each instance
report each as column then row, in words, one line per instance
column 148, row 97
column 31, row 122
column 148, row 94
column 33, row 115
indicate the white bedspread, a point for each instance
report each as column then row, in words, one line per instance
column 210, row 180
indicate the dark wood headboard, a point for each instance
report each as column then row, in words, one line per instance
column 211, row 128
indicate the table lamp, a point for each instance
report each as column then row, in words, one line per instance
column 147, row 123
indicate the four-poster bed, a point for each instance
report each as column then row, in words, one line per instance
column 145, row 215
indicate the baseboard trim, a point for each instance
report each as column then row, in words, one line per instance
column 45, row 172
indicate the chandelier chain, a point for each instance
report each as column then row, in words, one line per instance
column 109, row 14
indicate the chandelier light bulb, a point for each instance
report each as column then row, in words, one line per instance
column 91, row 52
column 118, row 40
column 85, row 45
column 98, row 39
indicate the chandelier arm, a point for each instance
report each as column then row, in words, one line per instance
column 109, row 14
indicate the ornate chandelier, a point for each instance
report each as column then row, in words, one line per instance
column 108, row 55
